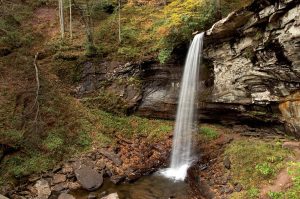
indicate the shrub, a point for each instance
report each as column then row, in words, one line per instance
column 164, row 55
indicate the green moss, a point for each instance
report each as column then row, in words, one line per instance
column 53, row 141
column 104, row 140
column 253, row 193
column 20, row 166
column 255, row 161
column 84, row 139
column 264, row 169
column 208, row 132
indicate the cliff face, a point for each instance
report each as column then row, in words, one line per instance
column 250, row 72
column 255, row 54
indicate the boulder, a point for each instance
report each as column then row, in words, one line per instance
column 65, row 196
column 89, row 178
column 43, row 189
column 111, row 196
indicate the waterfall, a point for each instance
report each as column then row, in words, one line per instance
column 186, row 112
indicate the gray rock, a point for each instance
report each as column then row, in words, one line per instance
column 67, row 168
column 56, row 168
column 43, row 189
column 227, row 163
column 92, row 196
column 112, row 156
column 60, row 187
column 111, row 196
column 89, row 178
column 3, row 197
column 238, row 187
column 58, row 178
column 291, row 145
column 73, row 185
column 117, row 179
column 65, row 196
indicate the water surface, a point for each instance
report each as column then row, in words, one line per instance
column 148, row 187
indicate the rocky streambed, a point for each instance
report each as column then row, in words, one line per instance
column 126, row 162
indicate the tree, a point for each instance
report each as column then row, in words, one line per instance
column 120, row 21
column 85, row 12
column 71, row 31
column 61, row 18
column 218, row 8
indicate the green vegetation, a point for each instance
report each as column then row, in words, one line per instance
column 275, row 195
column 255, row 161
column 292, row 192
column 208, row 132
column 133, row 125
column 152, row 31
column 252, row 193
column 20, row 166
column 148, row 30
column 264, row 169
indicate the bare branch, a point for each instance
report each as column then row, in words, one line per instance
column 36, row 101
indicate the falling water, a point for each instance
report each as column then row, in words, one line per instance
column 185, row 118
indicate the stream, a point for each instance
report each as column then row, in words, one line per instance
column 148, row 187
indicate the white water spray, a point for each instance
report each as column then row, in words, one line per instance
column 186, row 112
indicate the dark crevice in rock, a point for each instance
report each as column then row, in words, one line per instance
column 279, row 52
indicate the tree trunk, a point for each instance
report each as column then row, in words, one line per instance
column 218, row 7
column 71, row 31
column 61, row 18
column 120, row 39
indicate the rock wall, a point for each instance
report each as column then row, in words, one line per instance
column 255, row 53
column 250, row 72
